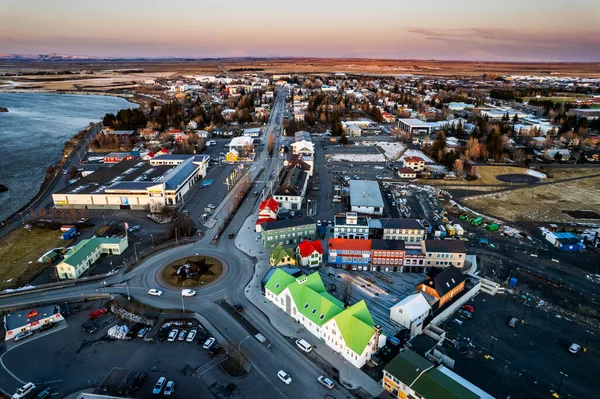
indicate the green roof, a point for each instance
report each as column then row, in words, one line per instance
column 312, row 299
column 356, row 326
column 86, row 247
column 431, row 384
column 279, row 281
column 333, row 299
column 279, row 252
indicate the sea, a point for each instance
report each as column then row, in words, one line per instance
column 33, row 133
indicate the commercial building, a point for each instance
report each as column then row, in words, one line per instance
column 351, row 225
column 414, row 126
column 302, row 135
column 589, row 113
column 303, row 147
column 365, row 197
column 407, row 173
column 288, row 231
column 116, row 157
column 139, row 185
column 387, row 255
column 444, row 253
column 411, row 231
column 292, row 188
column 30, row 319
column 411, row 313
column 409, row 375
column 350, row 254
column 351, row 332
column 441, row 285
column 565, row 241
column 244, row 145
column 353, row 131
column 79, row 259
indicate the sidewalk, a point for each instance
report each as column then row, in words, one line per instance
column 350, row 376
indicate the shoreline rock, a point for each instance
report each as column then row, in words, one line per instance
column 2, row 109
column 3, row 188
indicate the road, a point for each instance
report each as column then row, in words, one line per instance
column 240, row 268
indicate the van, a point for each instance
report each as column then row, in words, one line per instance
column 305, row 346
column 24, row 390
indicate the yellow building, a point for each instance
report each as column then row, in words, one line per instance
column 232, row 156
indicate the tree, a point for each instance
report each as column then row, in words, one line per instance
column 271, row 143
column 439, row 145
column 343, row 140
column 516, row 118
column 558, row 156
column 458, row 166
column 473, row 148
column 346, row 290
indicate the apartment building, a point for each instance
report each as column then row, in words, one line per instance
column 444, row 253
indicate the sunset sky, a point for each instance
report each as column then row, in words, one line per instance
column 511, row 30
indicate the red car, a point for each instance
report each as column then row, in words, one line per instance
column 468, row 308
column 97, row 313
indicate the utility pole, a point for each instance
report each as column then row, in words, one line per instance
column 587, row 340
column 489, row 355
column 128, row 295
column 182, row 304
column 557, row 393
column 524, row 310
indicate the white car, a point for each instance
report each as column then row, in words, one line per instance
column 169, row 389
column 155, row 292
column 209, row 342
column 24, row 390
column 187, row 292
column 325, row 381
column 191, row 335
column 173, row 335
column 283, row 376
column 574, row 348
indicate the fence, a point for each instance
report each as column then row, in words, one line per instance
column 456, row 305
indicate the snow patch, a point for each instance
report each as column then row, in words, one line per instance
column 535, row 173
column 356, row 158
column 392, row 150
column 416, row 153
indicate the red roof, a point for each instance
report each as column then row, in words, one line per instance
column 406, row 170
column 349, row 243
column 175, row 131
column 269, row 203
column 414, row 159
column 150, row 154
column 306, row 247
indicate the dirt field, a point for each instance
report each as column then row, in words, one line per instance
column 567, row 189
column 21, row 247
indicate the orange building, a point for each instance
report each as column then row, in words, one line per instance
column 443, row 284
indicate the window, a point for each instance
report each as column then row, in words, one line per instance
column 314, row 311
column 306, row 306
column 322, row 317
column 277, row 285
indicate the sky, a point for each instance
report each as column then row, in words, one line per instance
column 480, row 30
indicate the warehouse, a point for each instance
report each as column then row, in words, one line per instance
column 138, row 185
column 30, row 319
column 365, row 197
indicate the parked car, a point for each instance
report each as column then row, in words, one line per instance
column 24, row 391
column 170, row 388
column 188, row 292
column 142, row 333
column 23, row 335
column 214, row 351
column 283, row 376
column 94, row 314
column 326, row 382
column 209, row 342
column 513, row 322
column 182, row 335
column 134, row 228
column 155, row 292
column 173, row 335
column 89, row 328
column 231, row 235
column 305, row 346
column 238, row 307
column 137, row 381
column 574, row 348
column 191, row 335
column 47, row 326
column 465, row 313
column 45, row 394
column 158, row 387
column 468, row 308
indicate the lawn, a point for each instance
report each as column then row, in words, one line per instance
column 19, row 252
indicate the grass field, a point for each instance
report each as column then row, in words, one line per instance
column 544, row 202
column 21, row 247
column 488, row 176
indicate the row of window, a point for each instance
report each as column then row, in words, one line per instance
column 352, row 252
column 442, row 255
column 393, row 254
column 402, row 231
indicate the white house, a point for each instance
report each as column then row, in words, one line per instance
column 303, row 147
column 411, row 313
column 354, row 131
column 310, row 253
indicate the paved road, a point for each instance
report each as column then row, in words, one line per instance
column 266, row 361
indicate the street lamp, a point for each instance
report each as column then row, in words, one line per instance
column 22, row 219
column 524, row 310
column 152, row 237
column 240, row 344
column 557, row 393
column 135, row 251
column 489, row 355
column 587, row 339
column 182, row 304
column 176, row 240
column 127, row 285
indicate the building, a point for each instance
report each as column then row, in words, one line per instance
column 444, row 253
column 360, row 123
column 409, row 375
column 150, row 185
column 351, row 332
column 351, row 225
column 365, row 197
column 415, row 163
column 303, row 147
column 252, row 132
column 353, row 131
column 268, row 209
column 407, row 173
column 116, row 157
column 292, row 188
column 232, row 156
column 30, row 319
column 310, row 253
column 281, row 256
column 443, row 284
column 589, row 113
column 411, row 231
column 350, row 254
column 288, row 231
column 304, row 162
column 81, row 257
column 302, row 135
column 411, row 313
column 414, row 126
column 499, row 113
column 244, row 145
column 565, row 241
column 387, row 255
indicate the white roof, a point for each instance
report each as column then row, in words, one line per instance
column 414, row 122
column 241, row 141
column 414, row 305
column 365, row 193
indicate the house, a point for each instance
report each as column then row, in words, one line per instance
column 203, row 134
column 411, row 231
column 387, row 117
column 192, row 125
column 268, row 209
column 414, row 126
column 351, row 332
column 281, row 256
column 292, row 188
column 122, row 134
column 116, row 157
column 80, row 258
column 232, row 156
column 387, row 255
column 444, row 253
column 149, row 134
column 410, row 375
column 302, row 135
column 351, row 225
column 415, row 163
column 350, row 254
column 310, row 253
column 411, row 313
column 242, row 144
column 365, row 197
column 407, row 173
column 288, row 231
column 252, row 132
column 177, row 135
column 303, row 147
column 304, row 162
column 353, row 131
column 299, row 116
column 443, row 284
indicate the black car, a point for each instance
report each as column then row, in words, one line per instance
column 89, row 328
column 137, row 382
column 47, row 327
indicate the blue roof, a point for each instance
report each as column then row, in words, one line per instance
column 173, row 157
column 178, row 175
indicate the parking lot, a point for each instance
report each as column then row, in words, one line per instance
column 525, row 361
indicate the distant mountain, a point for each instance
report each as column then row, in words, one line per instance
column 44, row 57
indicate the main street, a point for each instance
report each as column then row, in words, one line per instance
column 266, row 360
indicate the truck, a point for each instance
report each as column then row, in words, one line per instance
column 67, row 235
column 459, row 230
column 492, row 227
column 451, row 230
column 477, row 221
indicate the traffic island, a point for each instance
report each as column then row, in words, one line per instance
column 192, row 271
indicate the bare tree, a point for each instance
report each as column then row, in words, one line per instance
column 346, row 290
column 235, row 356
column 458, row 166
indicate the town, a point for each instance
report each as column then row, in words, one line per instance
column 315, row 235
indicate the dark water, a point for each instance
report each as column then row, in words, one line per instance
column 33, row 133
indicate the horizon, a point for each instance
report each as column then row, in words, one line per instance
column 517, row 32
